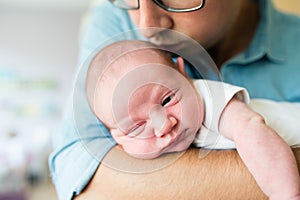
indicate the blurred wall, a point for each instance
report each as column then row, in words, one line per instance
column 38, row 55
column 292, row 6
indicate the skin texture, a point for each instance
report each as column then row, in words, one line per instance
column 153, row 116
column 223, row 178
column 221, row 174
column 222, row 27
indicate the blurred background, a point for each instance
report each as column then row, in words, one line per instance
column 39, row 42
column 38, row 53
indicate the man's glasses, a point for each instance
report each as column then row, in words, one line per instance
column 168, row 5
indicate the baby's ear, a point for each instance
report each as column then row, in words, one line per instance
column 180, row 65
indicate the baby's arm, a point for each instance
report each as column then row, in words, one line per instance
column 266, row 155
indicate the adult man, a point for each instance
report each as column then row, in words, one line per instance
column 250, row 42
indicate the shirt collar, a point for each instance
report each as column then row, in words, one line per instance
column 266, row 41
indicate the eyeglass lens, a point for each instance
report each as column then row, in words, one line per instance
column 173, row 4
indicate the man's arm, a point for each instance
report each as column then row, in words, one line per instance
column 192, row 176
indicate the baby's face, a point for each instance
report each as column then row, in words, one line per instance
column 154, row 110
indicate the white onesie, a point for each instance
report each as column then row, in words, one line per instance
column 281, row 116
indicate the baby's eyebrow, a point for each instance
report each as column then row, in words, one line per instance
column 158, row 91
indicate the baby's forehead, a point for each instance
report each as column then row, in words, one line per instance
column 132, row 60
column 136, row 64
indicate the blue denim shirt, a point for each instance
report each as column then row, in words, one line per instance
column 269, row 68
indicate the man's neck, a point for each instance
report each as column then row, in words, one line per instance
column 240, row 36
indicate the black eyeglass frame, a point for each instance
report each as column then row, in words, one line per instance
column 161, row 5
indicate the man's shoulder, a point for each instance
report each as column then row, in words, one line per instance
column 287, row 23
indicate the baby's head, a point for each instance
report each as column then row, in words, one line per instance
column 139, row 94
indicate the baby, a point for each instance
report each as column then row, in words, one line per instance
column 151, row 107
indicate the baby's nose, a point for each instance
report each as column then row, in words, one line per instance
column 167, row 127
column 161, row 122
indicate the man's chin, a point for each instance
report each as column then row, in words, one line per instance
column 168, row 45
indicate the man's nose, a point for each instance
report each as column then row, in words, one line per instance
column 153, row 18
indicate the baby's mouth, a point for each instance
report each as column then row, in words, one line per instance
column 168, row 139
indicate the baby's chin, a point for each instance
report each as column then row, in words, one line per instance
column 147, row 156
column 151, row 154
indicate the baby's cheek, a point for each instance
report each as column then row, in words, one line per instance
column 132, row 148
column 136, row 146
column 187, row 141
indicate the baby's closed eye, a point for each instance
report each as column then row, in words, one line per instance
column 136, row 129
